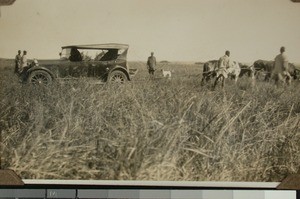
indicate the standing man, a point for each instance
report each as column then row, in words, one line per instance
column 24, row 60
column 281, row 68
column 23, row 66
column 223, row 65
column 18, row 61
column 151, row 63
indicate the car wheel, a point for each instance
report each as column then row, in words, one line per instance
column 117, row 76
column 40, row 77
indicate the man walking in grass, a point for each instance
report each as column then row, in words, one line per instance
column 281, row 68
column 151, row 64
column 223, row 65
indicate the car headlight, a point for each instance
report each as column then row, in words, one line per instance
column 35, row 62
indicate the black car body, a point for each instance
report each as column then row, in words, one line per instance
column 106, row 62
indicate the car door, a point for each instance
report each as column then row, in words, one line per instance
column 99, row 69
column 78, row 69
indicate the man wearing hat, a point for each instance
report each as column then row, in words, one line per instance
column 151, row 63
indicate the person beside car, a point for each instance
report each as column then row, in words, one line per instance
column 18, row 59
column 24, row 66
column 24, row 60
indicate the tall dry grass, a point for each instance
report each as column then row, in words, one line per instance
column 150, row 129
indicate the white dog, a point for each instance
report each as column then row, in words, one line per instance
column 166, row 73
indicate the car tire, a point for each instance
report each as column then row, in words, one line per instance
column 117, row 76
column 39, row 77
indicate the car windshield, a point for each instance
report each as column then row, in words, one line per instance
column 65, row 53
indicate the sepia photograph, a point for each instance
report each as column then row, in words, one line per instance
column 150, row 90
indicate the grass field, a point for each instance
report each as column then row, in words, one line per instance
column 150, row 129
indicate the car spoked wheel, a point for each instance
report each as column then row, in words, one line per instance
column 117, row 77
column 40, row 77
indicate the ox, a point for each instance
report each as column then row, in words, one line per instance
column 211, row 70
column 232, row 71
column 247, row 70
column 267, row 67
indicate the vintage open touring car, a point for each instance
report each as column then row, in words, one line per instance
column 105, row 62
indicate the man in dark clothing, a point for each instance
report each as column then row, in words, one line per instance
column 18, row 59
column 111, row 54
column 75, row 55
column 151, row 63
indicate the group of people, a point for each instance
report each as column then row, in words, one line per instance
column 280, row 72
column 20, row 61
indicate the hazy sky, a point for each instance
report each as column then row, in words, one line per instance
column 176, row 30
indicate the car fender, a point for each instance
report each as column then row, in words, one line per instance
column 121, row 69
column 40, row 68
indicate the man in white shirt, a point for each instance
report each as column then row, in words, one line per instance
column 281, row 66
column 18, row 59
column 24, row 60
column 221, row 71
column 224, row 64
